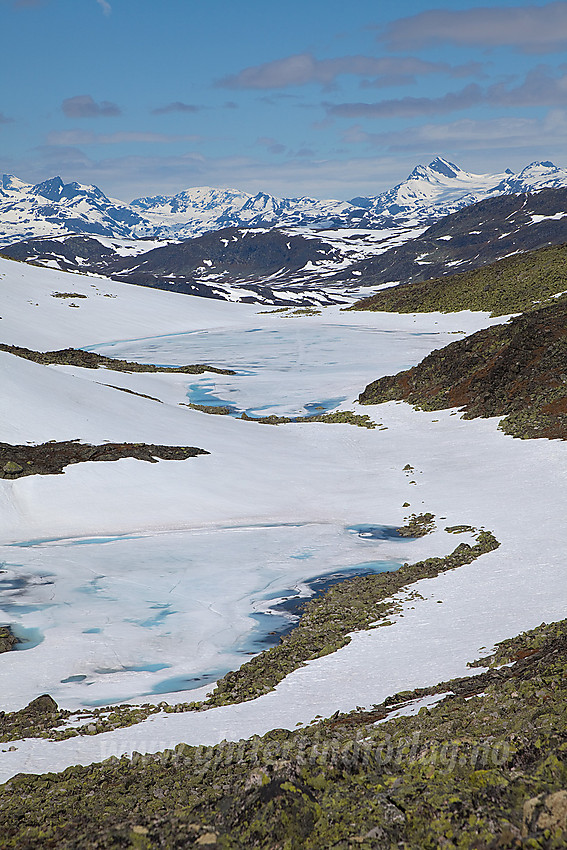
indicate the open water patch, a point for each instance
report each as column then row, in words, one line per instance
column 375, row 532
column 282, row 617
column 203, row 393
column 28, row 638
column 72, row 541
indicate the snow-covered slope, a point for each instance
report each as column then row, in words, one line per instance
column 53, row 208
column 263, row 501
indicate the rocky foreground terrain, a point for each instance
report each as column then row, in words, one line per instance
column 484, row 767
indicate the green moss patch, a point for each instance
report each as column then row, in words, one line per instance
column 511, row 285
column 51, row 458
column 516, row 370
column 338, row 417
column 90, row 360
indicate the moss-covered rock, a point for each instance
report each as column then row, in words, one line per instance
column 418, row 525
column 8, row 639
column 337, row 417
column 51, row 458
column 516, row 370
column 42, row 714
column 215, row 410
column 90, row 360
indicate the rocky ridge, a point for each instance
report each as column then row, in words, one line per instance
column 516, row 370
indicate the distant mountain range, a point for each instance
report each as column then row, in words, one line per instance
column 54, row 208
column 283, row 267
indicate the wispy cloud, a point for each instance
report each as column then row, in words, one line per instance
column 4, row 119
column 177, row 106
column 271, row 145
column 410, row 107
column 530, row 29
column 27, row 4
column 542, row 86
column 67, row 138
column 469, row 134
column 83, row 106
column 303, row 68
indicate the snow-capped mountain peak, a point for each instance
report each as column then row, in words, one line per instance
column 12, row 184
column 535, row 176
column 434, row 190
column 54, row 208
column 439, row 167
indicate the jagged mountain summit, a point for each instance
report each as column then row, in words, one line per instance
column 436, row 189
column 54, row 208
column 441, row 188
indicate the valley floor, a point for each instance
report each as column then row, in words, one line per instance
column 317, row 478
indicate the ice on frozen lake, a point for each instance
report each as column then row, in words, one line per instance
column 136, row 616
column 291, row 369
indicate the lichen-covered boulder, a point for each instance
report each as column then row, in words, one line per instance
column 545, row 812
column 8, row 640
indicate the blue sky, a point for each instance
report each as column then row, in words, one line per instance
column 312, row 97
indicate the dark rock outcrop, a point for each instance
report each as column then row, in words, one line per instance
column 517, row 370
column 51, row 458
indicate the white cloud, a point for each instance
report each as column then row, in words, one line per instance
column 472, row 134
column 410, row 107
column 85, row 137
column 531, row 29
column 303, row 68
column 105, row 6
column 83, row 106
column 542, row 86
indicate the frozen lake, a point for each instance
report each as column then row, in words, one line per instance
column 106, row 619
column 289, row 368
column 111, row 619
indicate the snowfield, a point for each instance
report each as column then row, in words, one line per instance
column 92, row 555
